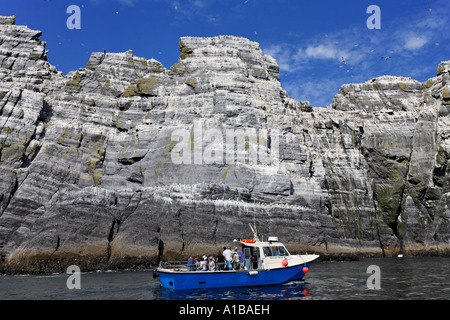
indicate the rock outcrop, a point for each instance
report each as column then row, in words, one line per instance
column 124, row 162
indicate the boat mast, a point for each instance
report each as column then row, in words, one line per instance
column 255, row 235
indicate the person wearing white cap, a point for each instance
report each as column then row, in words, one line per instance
column 204, row 263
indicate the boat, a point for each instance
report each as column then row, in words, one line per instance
column 265, row 263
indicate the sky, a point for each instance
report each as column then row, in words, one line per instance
column 319, row 45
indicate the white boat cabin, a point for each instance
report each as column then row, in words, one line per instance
column 267, row 254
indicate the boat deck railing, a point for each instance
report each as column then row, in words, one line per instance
column 174, row 265
column 183, row 266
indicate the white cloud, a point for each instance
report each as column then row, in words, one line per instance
column 415, row 42
column 320, row 51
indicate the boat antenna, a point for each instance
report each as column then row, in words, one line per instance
column 255, row 235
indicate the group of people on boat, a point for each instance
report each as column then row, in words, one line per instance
column 226, row 260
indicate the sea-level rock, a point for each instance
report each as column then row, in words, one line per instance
column 125, row 162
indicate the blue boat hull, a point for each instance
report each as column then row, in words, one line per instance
column 241, row 278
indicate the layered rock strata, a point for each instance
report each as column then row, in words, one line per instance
column 124, row 163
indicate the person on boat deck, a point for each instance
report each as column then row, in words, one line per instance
column 228, row 257
column 191, row 264
column 197, row 264
column 220, row 261
column 241, row 258
column 211, row 264
column 204, row 264
column 227, row 253
column 235, row 261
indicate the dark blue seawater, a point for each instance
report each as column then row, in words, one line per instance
column 405, row 278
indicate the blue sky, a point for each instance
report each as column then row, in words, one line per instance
column 308, row 38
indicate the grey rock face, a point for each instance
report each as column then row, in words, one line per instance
column 93, row 174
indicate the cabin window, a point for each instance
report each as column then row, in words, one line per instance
column 251, row 257
column 275, row 251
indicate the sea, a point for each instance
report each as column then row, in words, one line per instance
column 405, row 278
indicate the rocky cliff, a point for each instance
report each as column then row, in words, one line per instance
column 124, row 162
